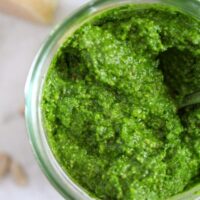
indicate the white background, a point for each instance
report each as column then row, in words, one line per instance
column 19, row 42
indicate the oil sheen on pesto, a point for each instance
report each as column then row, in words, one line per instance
column 110, row 104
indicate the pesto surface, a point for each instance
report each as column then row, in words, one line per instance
column 110, row 104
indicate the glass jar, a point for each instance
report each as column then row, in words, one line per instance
column 35, row 81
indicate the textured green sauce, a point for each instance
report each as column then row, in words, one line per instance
column 110, row 104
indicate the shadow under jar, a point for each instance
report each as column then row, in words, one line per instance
column 102, row 98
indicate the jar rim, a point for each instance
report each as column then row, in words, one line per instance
column 34, row 85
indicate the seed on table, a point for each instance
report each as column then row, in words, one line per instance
column 18, row 173
column 22, row 111
column 4, row 164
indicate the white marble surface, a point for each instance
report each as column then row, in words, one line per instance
column 19, row 42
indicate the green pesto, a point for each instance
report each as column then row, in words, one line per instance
column 110, row 104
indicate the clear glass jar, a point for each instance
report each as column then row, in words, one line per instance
column 36, row 78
